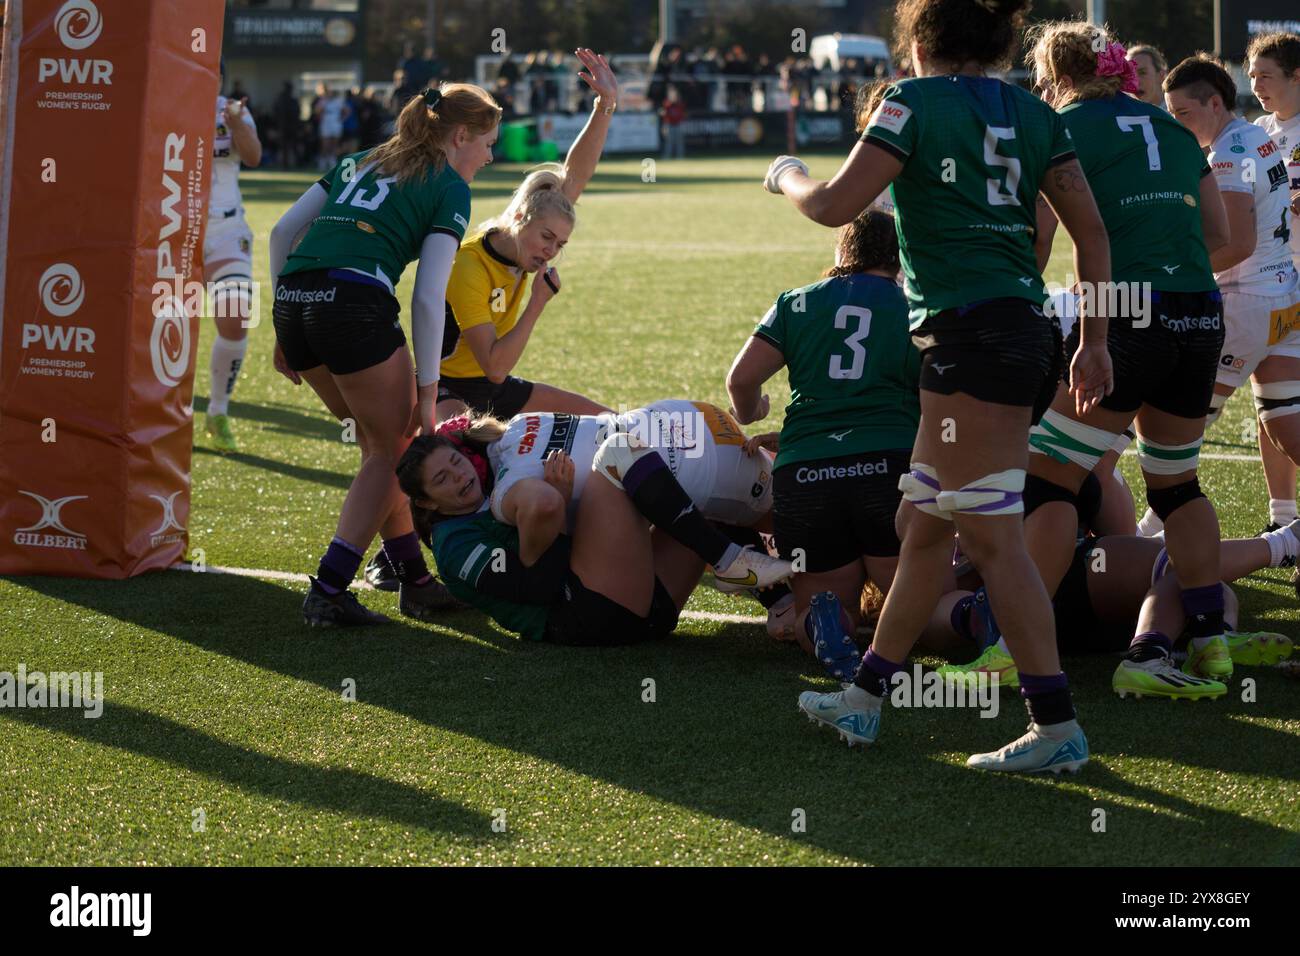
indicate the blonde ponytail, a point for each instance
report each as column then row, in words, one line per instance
column 425, row 125
column 540, row 194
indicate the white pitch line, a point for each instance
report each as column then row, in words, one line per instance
column 295, row 578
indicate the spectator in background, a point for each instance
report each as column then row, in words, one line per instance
column 331, row 111
column 504, row 94
column 350, row 142
column 1152, row 70
column 373, row 120
column 555, row 83
column 739, row 98
column 402, row 93
column 535, row 71
column 287, row 120
column 673, row 114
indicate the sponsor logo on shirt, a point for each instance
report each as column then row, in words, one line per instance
column 1266, row 149
column 460, row 219
column 891, row 116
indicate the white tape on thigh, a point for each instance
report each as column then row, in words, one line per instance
column 920, row 486
column 1062, row 438
column 1276, row 399
column 997, row 494
column 1121, row 442
column 1158, row 459
column 1217, row 402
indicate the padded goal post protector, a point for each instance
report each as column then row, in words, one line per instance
column 106, row 126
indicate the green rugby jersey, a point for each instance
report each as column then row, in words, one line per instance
column 854, row 373
column 1145, row 171
column 974, row 151
column 464, row 548
column 372, row 224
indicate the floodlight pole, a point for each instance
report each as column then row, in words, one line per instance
column 429, row 14
column 667, row 21
column 1097, row 12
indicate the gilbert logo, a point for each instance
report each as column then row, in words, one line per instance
column 78, row 23
column 61, row 290
column 51, row 517
column 160, row 535
column 133, row 910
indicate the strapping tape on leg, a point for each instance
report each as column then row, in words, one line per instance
column 1158, row 459
column 1063, row 439
column 1122, row 441
column 920, row 486
column 1276, row 399
column 1001, row 493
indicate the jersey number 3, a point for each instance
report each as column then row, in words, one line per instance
column 858, row 362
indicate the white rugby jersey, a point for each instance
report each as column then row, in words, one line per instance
column 1246, row 160
column 530, row 436
column 1287, row 137
column 225, row 164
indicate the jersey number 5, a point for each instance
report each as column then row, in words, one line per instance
column 854, row 342
column 997, row 197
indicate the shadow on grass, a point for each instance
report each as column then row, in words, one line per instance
column 331, row 789
column 723, row 739
column 282, row 419
column 332, row 479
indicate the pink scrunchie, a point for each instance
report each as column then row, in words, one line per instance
column 1114, row 61
column 454, row 430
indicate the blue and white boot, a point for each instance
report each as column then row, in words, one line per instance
column 1056, row 747
column 854, row 713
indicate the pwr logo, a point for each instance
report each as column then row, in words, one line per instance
column 62, row 294
column 169, row 522
column 78, row 25
column 51, row 517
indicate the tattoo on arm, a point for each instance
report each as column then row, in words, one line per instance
column 1070, row 178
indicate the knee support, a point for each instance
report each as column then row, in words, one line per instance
column 920, row 486
column 1165, row 501
column 1040, row 491
column 232, row 298
column 1276, row 399
column 1001, row 493
column 1063, row 439
column 1158, row 459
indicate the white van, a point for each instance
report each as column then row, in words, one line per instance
column 830, row 50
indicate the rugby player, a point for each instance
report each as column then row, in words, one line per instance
column 848, row 431
column 967, row 155
column 1152, row 68
column 1273, row 65
column 524, row 535
column 336, row 320
column 228, row 260
column 1162, row 210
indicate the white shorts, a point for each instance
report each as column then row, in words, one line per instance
column 1256, row 327
column 704, row 447
column 228, row 248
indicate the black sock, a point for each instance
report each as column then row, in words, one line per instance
column 1148, row 646
column 658, row 496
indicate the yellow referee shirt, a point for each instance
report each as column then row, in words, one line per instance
column 485, row 288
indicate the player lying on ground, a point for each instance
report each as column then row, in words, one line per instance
column 489, row 324
column 1164, row 339
column 1119, row 591
column 336, row 320
column 847, row 435
column 554, row 556
column 1273, row 65
column 966, row 155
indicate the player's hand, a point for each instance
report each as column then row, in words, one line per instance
column 235, row 110
column 769, row 440
column 281, row 366
column 780, row 166
column 1091, row 376
column 547, row 284
column 599, row 76
column 558, row 471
